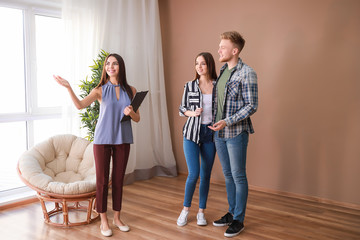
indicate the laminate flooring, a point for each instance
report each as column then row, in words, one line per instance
column 151, row 208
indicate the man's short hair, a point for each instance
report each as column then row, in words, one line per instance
column 235, row 38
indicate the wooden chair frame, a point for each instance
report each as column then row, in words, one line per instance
column 62, row 205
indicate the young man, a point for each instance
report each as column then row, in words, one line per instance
column 235, row 99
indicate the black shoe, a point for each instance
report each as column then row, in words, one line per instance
column 224, row 221
column 234, row 229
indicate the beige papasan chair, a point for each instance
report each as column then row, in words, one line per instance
column 61, row 170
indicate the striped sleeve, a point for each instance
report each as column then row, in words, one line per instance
column 183, row 106
column 191, row 128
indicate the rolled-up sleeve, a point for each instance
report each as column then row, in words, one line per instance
column 183, row 106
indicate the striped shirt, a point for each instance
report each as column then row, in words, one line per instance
column 240, row 100
column 191, row 99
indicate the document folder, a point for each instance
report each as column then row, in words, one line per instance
column 135, row 103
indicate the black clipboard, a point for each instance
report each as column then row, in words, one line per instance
column 135, row 103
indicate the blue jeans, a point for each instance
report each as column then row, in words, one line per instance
column 192, row 151
column 232, row 155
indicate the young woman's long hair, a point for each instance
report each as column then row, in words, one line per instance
column 209, row 60
column 121, row 77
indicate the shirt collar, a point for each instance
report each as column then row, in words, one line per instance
column 237, row 67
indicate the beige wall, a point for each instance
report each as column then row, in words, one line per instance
column 307, row 57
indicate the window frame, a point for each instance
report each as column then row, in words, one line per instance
column 30, row 9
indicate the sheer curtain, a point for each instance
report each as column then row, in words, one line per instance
column 130, row 28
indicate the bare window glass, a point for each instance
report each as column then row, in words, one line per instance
column 49, row 60
column 12, row 80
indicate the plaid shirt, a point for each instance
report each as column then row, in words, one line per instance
column 240, row 100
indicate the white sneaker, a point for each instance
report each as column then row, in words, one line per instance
column 182, row 220
column 201, row 221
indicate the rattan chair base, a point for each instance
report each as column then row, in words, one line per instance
column 65, row 205
column 62, row 206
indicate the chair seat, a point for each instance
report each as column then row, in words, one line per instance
column 63, row 164
column 62, row 170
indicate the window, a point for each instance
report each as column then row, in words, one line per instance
column 12, row 61
column 31, row 50
column 49, row 60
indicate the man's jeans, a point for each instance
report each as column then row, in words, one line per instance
column 232, row 155
column 192, row 151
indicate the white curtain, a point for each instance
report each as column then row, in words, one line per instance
column 130, row 28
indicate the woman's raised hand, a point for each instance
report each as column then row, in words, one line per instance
column 63, row 82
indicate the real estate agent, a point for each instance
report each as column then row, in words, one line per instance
column 112, row 137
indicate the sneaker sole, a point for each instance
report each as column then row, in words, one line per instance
column 180, row 225
column 233, row 234
column 221, row 224
column 201, row 224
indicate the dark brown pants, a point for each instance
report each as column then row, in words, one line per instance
column 103, row 153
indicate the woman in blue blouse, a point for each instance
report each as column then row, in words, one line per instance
column 198, row 142
column 112, row 137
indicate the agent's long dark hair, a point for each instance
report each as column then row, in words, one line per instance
column 121, row 77
column 209, row 60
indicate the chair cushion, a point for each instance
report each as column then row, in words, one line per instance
column 63, row 164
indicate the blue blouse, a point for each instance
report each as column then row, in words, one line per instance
column 109, row 129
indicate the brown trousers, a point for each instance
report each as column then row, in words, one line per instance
column 120, row 155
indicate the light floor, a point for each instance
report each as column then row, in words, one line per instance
column 151, row 208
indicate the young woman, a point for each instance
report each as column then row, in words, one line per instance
column 198, row 142
column 112, row 137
